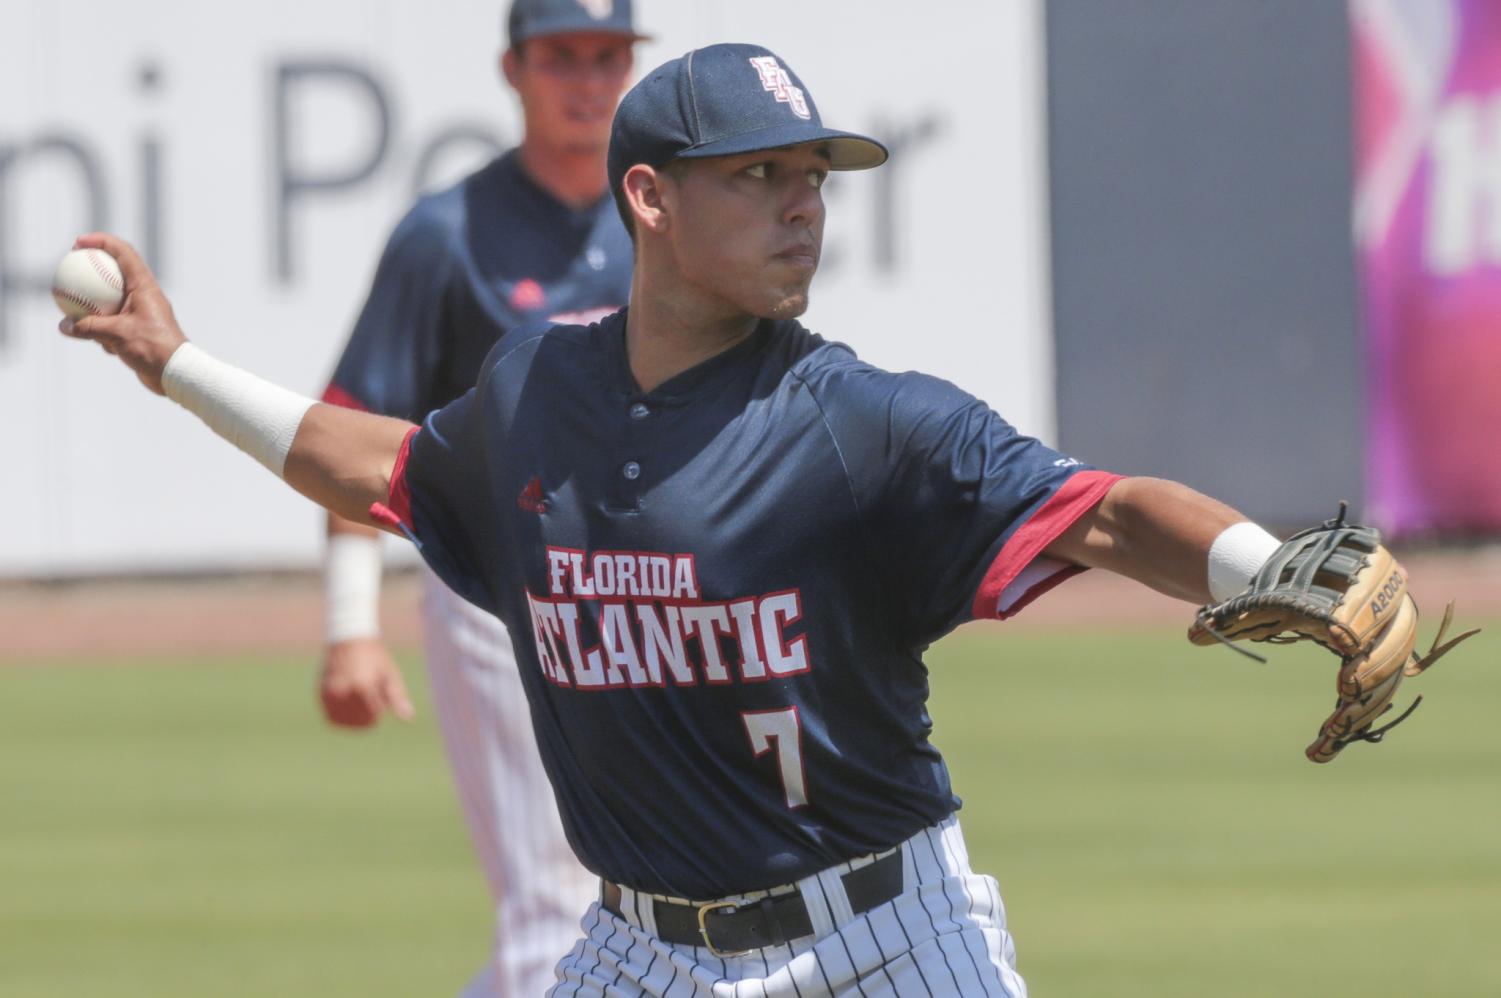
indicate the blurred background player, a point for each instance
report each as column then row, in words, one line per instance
column 533, row 235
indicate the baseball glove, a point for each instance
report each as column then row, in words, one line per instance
column 1338, row 585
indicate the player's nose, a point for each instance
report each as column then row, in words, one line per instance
column 804, row 204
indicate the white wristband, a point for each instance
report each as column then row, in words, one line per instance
column 256, row 416
column 1235, row 557
column 351, row 587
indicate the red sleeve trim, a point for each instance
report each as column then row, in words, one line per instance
column 396, row 512
column 1077, row 496
column 334, row 395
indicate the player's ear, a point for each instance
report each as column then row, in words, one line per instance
column 644, row 194
column 510, row 63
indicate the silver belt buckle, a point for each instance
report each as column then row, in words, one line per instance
column 703, row 928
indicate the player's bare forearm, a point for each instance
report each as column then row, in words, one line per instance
column 1152, row 530
column 343, row 460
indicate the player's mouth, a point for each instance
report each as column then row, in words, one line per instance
column 589, row 115
column 803, row 256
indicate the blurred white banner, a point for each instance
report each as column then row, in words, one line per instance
column 259, row 156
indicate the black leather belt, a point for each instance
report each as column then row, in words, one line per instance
column 728, row 928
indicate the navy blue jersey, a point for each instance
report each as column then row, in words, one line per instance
column 464, row 267
column 721, row 590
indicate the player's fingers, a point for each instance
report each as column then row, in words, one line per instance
column 344, row 707
column 80, row 329
column 91, row 327
column 108, row 339
column 397, row 698
column 372, row 701
column 132, row 267
column 86, row 329
column 352, row 712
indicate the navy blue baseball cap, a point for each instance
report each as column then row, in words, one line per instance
column 721, row 101
column 534, row 18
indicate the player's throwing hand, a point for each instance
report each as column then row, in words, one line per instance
column 144, row 333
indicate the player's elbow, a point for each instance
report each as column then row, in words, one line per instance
column 346, row 461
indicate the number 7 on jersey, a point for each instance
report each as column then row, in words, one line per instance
column 780, row 729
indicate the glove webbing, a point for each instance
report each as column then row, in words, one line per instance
column 1289, row 578
column 1322, row 551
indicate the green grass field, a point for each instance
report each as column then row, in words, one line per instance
column 188, row 829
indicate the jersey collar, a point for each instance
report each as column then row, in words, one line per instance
column 702, row 377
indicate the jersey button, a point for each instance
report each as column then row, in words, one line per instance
column 632, row 470
column 640, row 411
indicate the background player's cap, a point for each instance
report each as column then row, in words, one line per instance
column 720, row 101
column 534, row 18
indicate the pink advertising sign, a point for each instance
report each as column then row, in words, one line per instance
column 1427, row 220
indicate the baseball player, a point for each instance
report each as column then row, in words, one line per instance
column 532, row 235
column 723, row 543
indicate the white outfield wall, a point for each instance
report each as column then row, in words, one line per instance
column 260, row 156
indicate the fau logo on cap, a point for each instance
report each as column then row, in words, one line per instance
column 775, row 79
column 598, row 9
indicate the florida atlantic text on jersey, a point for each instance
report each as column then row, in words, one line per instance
column 721, row 589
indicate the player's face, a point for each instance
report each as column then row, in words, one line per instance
column 748, row 229
column 569, row 86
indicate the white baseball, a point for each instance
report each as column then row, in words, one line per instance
column 88, row 282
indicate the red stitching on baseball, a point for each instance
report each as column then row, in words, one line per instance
column 114, row 280
column 78, row 300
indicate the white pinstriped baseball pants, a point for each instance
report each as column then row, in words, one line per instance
column 944, row 935
column 537, row 886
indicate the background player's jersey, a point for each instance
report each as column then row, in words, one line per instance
column 721, row 589
column 464, row 267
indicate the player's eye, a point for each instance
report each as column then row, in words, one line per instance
column 816, row 178
column 613, row 59
column 758, row 171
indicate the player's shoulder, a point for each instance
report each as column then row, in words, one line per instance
column 562, row 344
column 838, row 378
column 438, row 219
column 428, row 229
